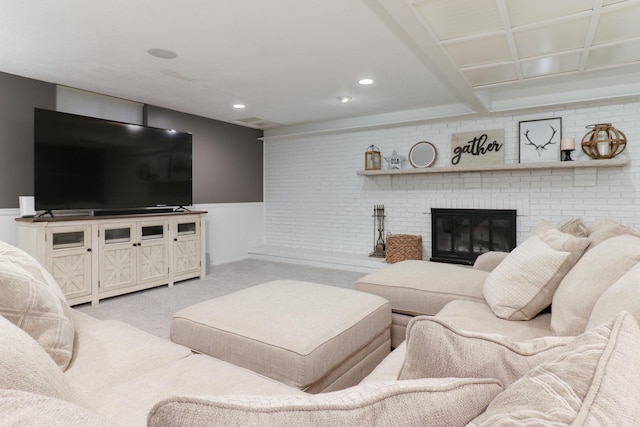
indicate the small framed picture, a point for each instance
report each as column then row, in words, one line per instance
column 540, row 140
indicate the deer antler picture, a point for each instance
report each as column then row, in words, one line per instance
column 540, row 147
column 541, row 135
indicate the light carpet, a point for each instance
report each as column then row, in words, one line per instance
column 151, row 309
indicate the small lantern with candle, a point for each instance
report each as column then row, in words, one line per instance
column 372, row 158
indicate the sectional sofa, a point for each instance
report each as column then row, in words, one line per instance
column 492, row 354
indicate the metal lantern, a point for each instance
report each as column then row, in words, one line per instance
column 372, row 158
column 603, row 141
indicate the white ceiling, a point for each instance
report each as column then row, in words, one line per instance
column 289, row 60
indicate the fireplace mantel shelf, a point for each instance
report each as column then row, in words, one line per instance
column 496, row 168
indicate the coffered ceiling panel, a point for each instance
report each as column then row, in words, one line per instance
column 492, row 74
column 552, row 38
column 450, row 19
column 627, row 52
column 478, row 51
column 551, row 65
column 534, row 12
column 618, row 24
column 542, row 38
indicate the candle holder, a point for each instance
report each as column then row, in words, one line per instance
column 567, row 145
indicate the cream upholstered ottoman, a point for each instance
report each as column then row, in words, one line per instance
column 310, row 336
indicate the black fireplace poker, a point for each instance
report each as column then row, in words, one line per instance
column 379, row 245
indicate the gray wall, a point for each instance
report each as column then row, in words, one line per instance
column 227, row 158
column 18, row 97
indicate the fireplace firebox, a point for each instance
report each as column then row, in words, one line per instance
column 459, row 236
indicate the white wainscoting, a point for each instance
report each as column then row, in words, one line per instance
column 8, row 227
column 232, row 228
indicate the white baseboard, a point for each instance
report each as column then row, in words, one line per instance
column 325, row 259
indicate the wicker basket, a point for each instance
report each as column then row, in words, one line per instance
column 401, row 247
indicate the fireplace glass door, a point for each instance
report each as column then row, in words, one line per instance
column 461, row 235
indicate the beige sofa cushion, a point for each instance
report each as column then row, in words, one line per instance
column 389, row 368
column 427, row 402
column 593, row 382
column 423, row 287
column 623, row 295
column 110, row 352
column 24, row 365
column 196, row 375
column 599, row 224
column 604, row 229
column 30, row 298
column 478, row 317
column 592, row 275
column 435, row 350
column 523, row 284
column 19, row 408
column 488, row 261
column 574, row 226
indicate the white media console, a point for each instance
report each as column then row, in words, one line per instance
column 100, row 257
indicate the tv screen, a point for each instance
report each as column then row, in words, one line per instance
column 88, row 163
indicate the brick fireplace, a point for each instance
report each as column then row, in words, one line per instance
column 459, row 236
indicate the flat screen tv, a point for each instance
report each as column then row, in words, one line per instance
column 94, row 164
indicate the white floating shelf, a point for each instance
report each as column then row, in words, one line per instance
column 497, row 168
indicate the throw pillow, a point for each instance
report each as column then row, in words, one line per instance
column 594, row 382
column 523, row 284
column 426, row 402
column 623, row 295
column 599, row 223
column 19, row 408
column 36, row 307
column 605, row 229
column 592, row 275
column 573, row 226
column 24, row 365
column 32, row 267
column 435, row 349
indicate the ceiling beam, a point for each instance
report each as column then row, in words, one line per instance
column 406, row 25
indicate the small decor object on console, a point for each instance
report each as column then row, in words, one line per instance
column 540, row 140
column 603, row 141
column 395, row 160
column 372, row 158
column 567, row 145
column 379, row 245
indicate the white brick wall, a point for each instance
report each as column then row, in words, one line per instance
column 315, row 200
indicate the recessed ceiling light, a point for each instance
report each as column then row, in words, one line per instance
column 239, row 106
column 344, row 99
column 365, row 81
column 162, row 53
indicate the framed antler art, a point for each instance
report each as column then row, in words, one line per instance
column 540, row 140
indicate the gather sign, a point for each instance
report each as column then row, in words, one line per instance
column 477, row 148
